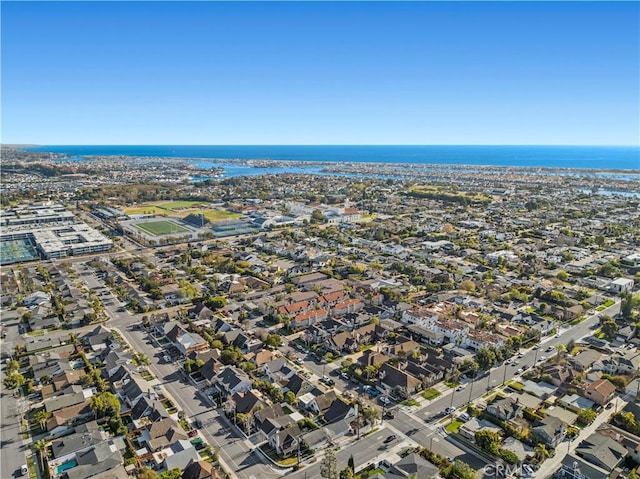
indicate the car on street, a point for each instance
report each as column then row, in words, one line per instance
column 525, row 367
column 542, row 359
column 519, row 371
column 371, row 391
column 390, row 439
column 24, row 469
column 537, row 346
column 461, row 387
column 450, row 410
column 299, row 361
column 550, row 348
column 344, row 376
column 465, row 416
column 389, row 415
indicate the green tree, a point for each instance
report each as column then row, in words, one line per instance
column 290, row 398
column 347, row 473
column 626, row 306
column 586, row 416
column 486, row 358
column 273, row 340
column 461, row 470
column 41, row 416
column 609, row 328
column 371, row 414
column 105, row 404
column 488, row 440
column 541, row 452
column 329, row 465
column 171, row 474
column 14, row 381
column 12, row 367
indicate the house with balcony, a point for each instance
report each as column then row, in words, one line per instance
column 454, row 331
column 551, row 430
column 478, row 339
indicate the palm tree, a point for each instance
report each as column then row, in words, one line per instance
column 39, row 446
column 41, row 416
column 541, row 452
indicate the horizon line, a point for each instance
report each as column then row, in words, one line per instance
column 24, row 144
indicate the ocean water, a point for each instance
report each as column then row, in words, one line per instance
column 587, row 157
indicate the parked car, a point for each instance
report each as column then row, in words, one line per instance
column 384, row 400
column 24, row 469
column 389, row 415
column 465, row 416
column 450, row 410
column 519, row 371
column 344, row 376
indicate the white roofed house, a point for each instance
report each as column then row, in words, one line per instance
column 621, row 285
column 421, row 316
column 454, row 331
column 482, row 339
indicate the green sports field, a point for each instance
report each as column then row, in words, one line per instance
column 161, row 227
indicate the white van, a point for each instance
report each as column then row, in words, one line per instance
column 24, row 469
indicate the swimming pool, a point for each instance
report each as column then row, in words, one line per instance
column 67, row 465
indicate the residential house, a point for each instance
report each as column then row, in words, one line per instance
column 248, row 402
column 584, row 360
column 308, row 318
column 286, row 441
column 600, row 391
column 454, row 331
column 627, row 363
column 161, row 434
column 349, row 306
column 505, row 408
column 63, row 420
column 199, row 470
column 595, row 458
column 134, row 387
column 232, row 380
column 476, row 340
column 102, row 461
column 424, row 317
column 414, row 465
column 186, row 342
column 400, row 382
column 550, row 430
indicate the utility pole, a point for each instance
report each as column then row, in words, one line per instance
column 504, row 378
column 471, row 387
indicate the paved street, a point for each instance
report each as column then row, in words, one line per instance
column 412, row 425
column 12, row 451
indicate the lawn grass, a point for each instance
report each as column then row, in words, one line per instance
column 220, row 215
column 453, row 426
column 410, row 402
column 161, row 227
column 599, row 334
column 145, row 210
column 452, row 384
column 375, row 429
column 431, row 393
column 179, row 205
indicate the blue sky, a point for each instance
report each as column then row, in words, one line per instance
column 321, row 73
